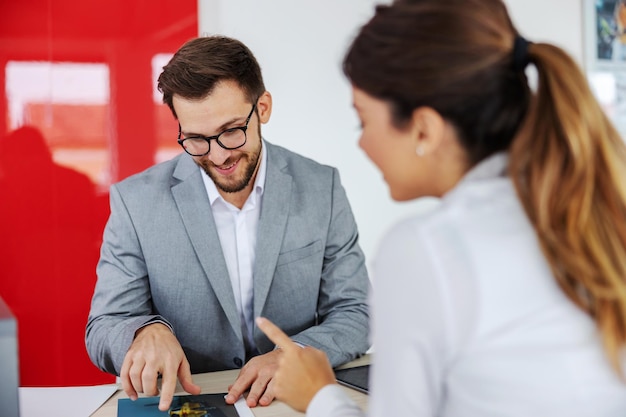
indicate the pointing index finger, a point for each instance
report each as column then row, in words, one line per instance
column 168, row 387
column 276, row 335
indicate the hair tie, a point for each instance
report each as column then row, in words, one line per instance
column 520, row 53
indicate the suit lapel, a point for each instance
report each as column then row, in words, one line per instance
column 272, row 223
column 195, row 210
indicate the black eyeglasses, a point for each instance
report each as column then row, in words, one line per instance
column 232, row 138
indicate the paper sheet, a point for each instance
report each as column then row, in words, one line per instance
column 242, row 408
column 63, row 401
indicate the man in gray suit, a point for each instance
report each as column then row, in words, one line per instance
column 231, row 229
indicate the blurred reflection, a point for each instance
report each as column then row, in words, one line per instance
column 50, row 242
column 69, row 103
column 82, row 74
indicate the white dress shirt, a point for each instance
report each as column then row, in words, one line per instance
column 468, row 320
column 237, row 230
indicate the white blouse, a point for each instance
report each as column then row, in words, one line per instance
column 469, row 321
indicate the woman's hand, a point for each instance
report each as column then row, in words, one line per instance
column 302, row 371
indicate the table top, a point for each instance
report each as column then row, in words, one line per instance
column 216, row 382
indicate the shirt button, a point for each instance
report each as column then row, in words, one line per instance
column 238, row 362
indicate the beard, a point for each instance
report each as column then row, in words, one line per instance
column 249, row 160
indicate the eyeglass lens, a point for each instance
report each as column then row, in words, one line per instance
column 229, row 139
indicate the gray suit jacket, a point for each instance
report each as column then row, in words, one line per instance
column 161, row 259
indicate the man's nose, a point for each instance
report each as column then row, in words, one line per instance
column 218, row 155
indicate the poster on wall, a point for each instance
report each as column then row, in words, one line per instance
column 605, row 55
column 606, row 41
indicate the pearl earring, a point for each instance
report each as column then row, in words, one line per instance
column 419, row 150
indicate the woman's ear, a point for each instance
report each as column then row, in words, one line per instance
column 264, row 107
column 428, row 130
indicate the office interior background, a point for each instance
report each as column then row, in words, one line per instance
column 79, row 110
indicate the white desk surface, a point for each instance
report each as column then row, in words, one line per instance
column 216, row 382
column 78, row 401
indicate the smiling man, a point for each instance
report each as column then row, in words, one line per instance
column 231, row 229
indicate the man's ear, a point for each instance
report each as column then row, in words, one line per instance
column 264, row 107
column 428, row 128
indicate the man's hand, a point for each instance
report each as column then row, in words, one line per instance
column 155, row 351
column 302, row 371
column 257, row 375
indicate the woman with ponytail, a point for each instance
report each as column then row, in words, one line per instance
column 509, row 298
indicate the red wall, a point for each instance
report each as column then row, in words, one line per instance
column 61, row 146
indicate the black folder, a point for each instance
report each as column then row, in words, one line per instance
column 356, row 378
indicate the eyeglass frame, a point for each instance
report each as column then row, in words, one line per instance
column 208, row 139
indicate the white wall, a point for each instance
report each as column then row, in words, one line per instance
column 556, row 21
column 300, row 45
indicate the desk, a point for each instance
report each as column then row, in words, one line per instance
column 215, row 382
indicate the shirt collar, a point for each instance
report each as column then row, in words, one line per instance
column 492, row 167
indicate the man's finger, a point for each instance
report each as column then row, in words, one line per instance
column 127, row 385
column 168, row 387
column 277, row 336
column 256, row 391
column 149, row 377
column 268, row 395
column 241, row 384
column 186, row 381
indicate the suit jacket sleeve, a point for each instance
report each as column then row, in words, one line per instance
column 121, row 304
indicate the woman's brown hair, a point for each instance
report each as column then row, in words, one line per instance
column 567, row 161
